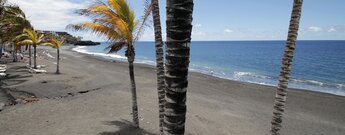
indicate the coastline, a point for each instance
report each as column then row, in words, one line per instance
column 194, row 71
column 215, row 105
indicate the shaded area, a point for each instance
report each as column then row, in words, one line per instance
column 15, row 76
column 125, row 128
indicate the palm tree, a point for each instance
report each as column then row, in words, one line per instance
column 116, row 21
column 280, row 98
column 159, row 61
column 179, row 28
column 55, row 44
column 2, row 14
column 13, row 21
column 31, row 37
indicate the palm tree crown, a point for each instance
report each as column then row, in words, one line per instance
column 13, row 21
column 115, row 21
column 30, row 37
column 54, row 43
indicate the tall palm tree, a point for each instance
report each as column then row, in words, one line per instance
column 2, row 10
column 2, row 14
column 159, row 61
column 31, row 37
column 12, row 23
column 55, row 44
column 179, row 28
column 280, row 98
column 116, row 21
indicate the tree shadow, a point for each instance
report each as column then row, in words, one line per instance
column 15, row 79
column 126, row 128
column 17, row 75
column 19, row 67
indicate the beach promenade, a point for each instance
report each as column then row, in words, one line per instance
column 92, row 97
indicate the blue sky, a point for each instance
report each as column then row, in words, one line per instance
column 213, row 19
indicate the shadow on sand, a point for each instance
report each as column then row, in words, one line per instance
column 18, row 75
column 125, row 128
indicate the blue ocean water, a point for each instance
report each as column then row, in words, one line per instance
column 317, row 66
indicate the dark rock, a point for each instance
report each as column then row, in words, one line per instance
column 86, row 43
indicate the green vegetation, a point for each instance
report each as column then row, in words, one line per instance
column 55, row 43
column 31, row 37
column 13, row 21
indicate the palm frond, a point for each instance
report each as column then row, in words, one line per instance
column 25, row 42
column 99, row 29
column 14, row 10
column 21, row 36
column 116, row 46
column 114, row 5
column 114, row 23
column 114, row 20
column 29, row 32
column 40, row 38
column 98, row 9
column 54, row 43
column 144, row 20
column 50, row 44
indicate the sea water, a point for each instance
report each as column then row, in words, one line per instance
column 317, row 65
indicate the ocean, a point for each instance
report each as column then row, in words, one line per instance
column 317, row 65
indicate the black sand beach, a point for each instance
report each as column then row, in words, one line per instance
column 92, row 97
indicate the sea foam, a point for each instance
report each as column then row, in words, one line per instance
column 241, row 61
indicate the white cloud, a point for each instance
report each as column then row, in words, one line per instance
column 227, row 30
column 332, row 30
column 198, row 25
column 51, row 14
column 315, row 29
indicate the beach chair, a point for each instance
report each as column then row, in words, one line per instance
column 2, row 75
column 37, row 71
column 3, row 66
column 41, row 66
column 2, row 70
column 38, row 66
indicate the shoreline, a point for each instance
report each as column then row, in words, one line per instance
column 92, row 96
column 199, row 72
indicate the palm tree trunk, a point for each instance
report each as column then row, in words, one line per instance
column 131, row 56
column 159, row 62
column 1, row 49
column 179, row 28
column 35, row 55
column 280, row 98
column 134, row 96
column 14, row 53
column 57, row 62
column 30, row 56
